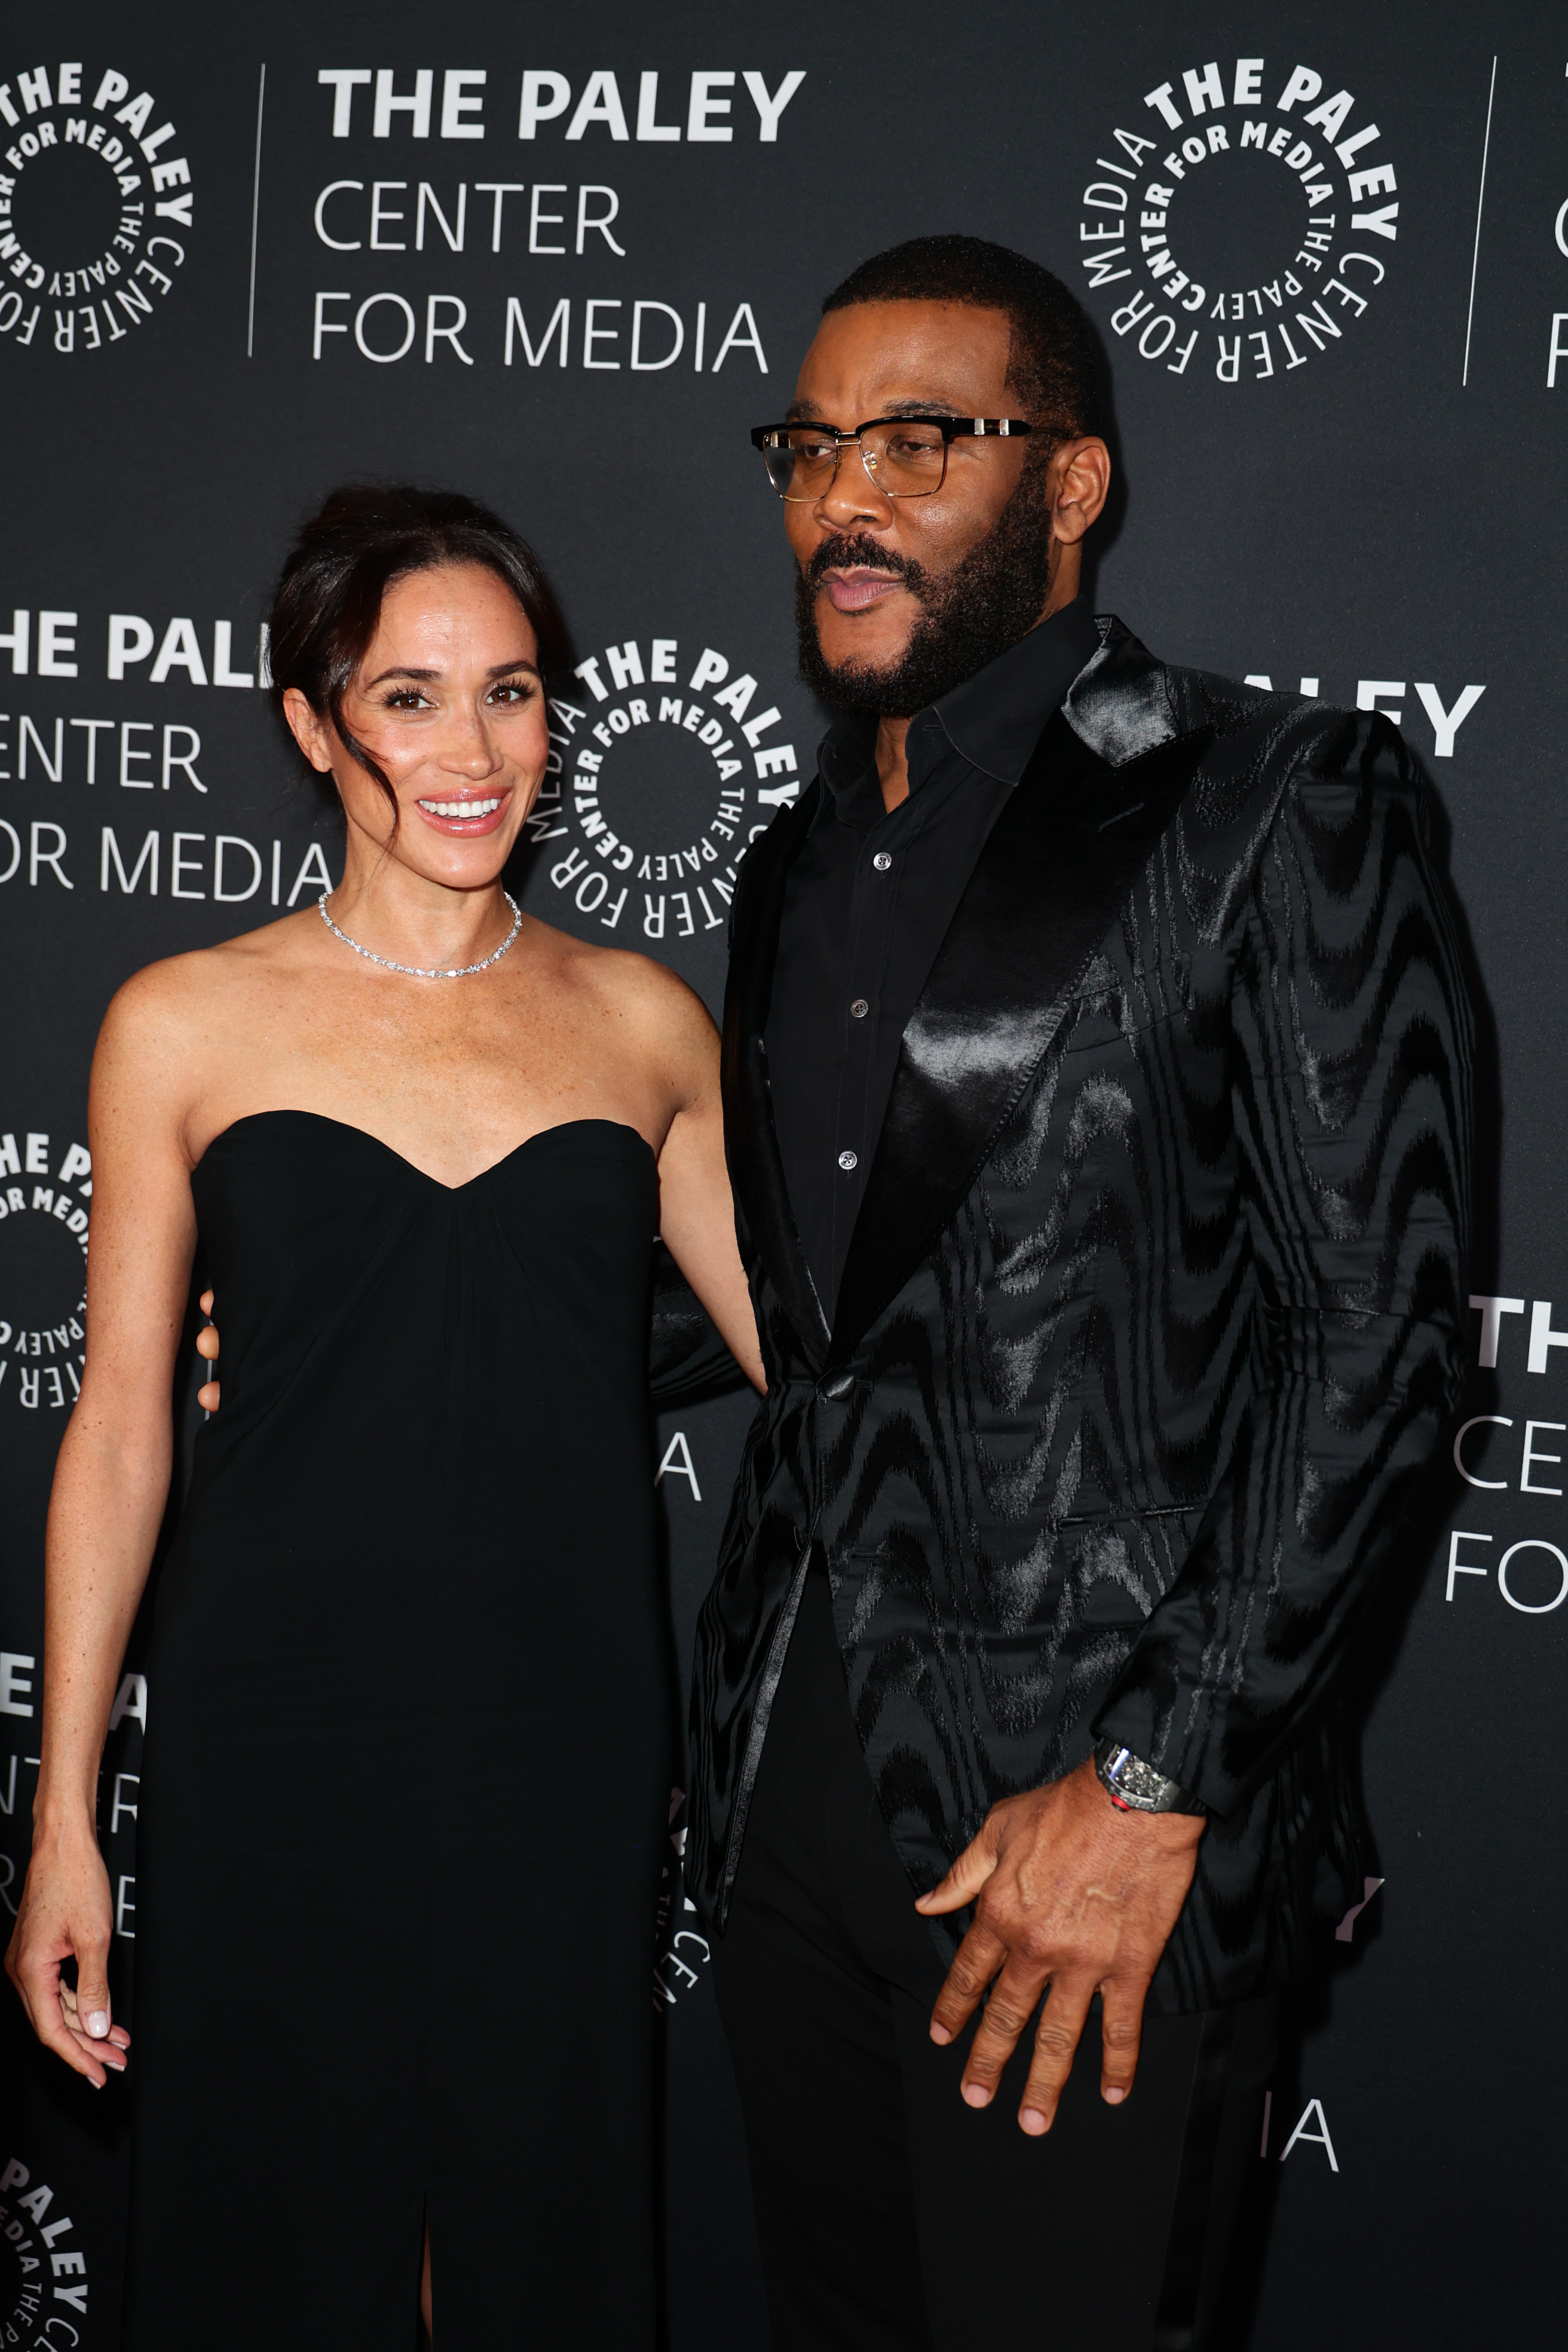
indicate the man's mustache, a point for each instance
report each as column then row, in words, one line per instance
column 841, row 553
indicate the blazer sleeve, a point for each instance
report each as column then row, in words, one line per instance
column 1352, row 1092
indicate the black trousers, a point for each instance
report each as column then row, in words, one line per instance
column 893, row 2217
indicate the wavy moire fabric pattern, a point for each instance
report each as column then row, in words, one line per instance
column 1153, row 1313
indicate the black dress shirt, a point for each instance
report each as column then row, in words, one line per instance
column 868, row 905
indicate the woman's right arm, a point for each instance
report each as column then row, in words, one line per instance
column 112, row 1484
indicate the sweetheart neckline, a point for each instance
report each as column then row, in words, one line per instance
column 324, row 1118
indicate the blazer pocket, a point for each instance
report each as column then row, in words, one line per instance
column 1120, row 1565
column 1117, row 1515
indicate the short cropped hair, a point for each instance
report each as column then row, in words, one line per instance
column 1053, row 358
column 363, row 536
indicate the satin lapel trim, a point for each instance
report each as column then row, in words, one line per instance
column 751, row 1139
column 1055, row 868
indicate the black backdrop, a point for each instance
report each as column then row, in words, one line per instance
column 1333, row 286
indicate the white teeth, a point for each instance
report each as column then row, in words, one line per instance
column 460, row 808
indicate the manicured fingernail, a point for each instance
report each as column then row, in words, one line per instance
column 98, row 2024
column 1113, row 2097
column 1033, row 2122
column 938, row 2033
column 976, row 2095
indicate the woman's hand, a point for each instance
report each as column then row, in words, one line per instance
column 66, row 1912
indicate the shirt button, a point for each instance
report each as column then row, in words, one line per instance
column 859, row 1009
column 882, row 861
column 849, row 1160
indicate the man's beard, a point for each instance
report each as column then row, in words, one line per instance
column 985, row 604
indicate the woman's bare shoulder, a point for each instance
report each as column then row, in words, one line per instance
column 178, row 1003
column 634, row 986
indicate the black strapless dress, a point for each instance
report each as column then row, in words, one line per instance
column 406, row 1773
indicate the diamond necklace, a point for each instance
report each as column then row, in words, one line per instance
column 416, row 971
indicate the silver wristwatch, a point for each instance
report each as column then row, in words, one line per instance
column 1137, row 1785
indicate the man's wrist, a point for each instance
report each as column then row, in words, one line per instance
column 1137, row 1787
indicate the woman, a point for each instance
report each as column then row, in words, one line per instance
column 405, row 1787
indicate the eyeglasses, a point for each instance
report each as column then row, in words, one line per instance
column 905, row 456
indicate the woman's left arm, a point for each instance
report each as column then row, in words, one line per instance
column 697, row 1213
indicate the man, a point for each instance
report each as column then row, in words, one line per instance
column 1097, row 1095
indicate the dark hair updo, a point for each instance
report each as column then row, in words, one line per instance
column 361, row 539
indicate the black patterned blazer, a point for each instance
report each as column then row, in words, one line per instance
column 1153, row 1314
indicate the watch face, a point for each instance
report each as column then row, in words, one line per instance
column 1137, row 1783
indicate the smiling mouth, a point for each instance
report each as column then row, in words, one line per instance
column 464, row 812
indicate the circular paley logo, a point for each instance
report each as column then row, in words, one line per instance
column 44, row 2278
column 681, row 1951
column 95, row 207
column 45, row 1189
column 1243, row 225
column 661, row 773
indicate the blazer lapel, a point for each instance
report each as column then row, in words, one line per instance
column 750, row 1139
column 1057, row 865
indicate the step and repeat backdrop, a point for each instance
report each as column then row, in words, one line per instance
column 564, row 260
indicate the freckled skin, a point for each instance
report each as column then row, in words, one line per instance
column 453, row 1074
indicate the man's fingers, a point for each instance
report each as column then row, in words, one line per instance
column 964, row 1880
column 208, row 1346
column 1061, row 2025
column 976, row 1961
column 1120, row 2030
column 1013, row 2000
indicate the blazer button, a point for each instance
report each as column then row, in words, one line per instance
column 835, row 1386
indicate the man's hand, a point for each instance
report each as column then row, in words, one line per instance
column 1071, row 1891
column 207, row 1395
